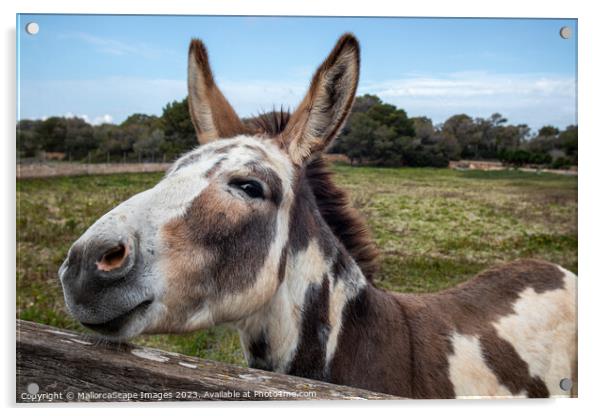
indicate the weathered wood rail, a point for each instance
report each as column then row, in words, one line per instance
column 63, row 366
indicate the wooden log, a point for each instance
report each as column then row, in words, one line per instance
column 64, row 366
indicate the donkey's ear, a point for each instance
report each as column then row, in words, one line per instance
column 213, row 117
column 323, row 111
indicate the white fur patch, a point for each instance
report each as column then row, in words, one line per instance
column 470, row 375
column 543, row 331
column 340, row 293
column 282, row 318
column 338, row 300
column 240, row 305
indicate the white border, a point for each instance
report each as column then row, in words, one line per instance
column 589, row 185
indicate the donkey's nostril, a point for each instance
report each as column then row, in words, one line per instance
column 113, row 258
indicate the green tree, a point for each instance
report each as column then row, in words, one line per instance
column 548, row 131
column 389, row 146
column 425, row 131
column 568, row 142
column 180, row 135
column 545, row 141
column 28, row 140
column 151, row 144
column 365, row 102
column 382, row 134
column 79, row 138
column 462, row 129
column 397, row 119
column 358, row 142
column 138, row 119
column 52, row 133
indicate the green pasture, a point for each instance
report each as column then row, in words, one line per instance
column 434, row 228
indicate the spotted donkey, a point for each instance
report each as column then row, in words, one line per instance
column 250, row 230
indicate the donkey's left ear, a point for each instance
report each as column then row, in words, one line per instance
column 323, row 111
column 212, row 115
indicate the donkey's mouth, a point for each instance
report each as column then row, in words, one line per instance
column 114, row 325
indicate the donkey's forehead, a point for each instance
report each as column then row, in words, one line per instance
column 236, row 152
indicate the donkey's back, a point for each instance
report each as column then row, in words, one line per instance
column 510, row 331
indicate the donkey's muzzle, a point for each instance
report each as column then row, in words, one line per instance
column 99, row 263
column 114, row 258
column 99, row 278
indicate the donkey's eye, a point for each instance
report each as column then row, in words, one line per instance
column 250, row 187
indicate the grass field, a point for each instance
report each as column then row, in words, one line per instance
column 434, row 227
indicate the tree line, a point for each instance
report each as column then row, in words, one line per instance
column 140, row 136
column 381, row 134
column 376, row 133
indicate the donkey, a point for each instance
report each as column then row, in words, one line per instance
column 250, row 230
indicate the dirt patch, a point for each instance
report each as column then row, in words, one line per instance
column 43, row 170
column 493, row 165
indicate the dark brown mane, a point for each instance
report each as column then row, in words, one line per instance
column 345, row 221
column 271, row 123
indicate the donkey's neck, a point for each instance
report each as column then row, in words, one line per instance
column 297, row 332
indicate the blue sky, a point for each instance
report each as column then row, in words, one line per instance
column 104, row 68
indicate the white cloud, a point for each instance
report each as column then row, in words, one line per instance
column 522, row 98
column 105, row 118
column 470, row 84
column 100, row 100
column 117, row 47
column 531, row 98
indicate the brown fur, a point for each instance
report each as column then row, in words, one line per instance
column 219, row 267
column 374, row 350
column 216, row 232
column 411, row 333
column 345, row 222
column 333, row 203
column 323, row 111
column 270, row 124
column 309, row 360
column 393, row 343
column 211, row 114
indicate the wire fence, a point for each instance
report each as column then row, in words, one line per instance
column 96, row 157
column 49, row 167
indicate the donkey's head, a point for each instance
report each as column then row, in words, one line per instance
column 207, row 244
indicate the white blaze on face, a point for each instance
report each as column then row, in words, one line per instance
column 235, row 306
column 138, row 220
column 236, row 154
column 146, row 214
